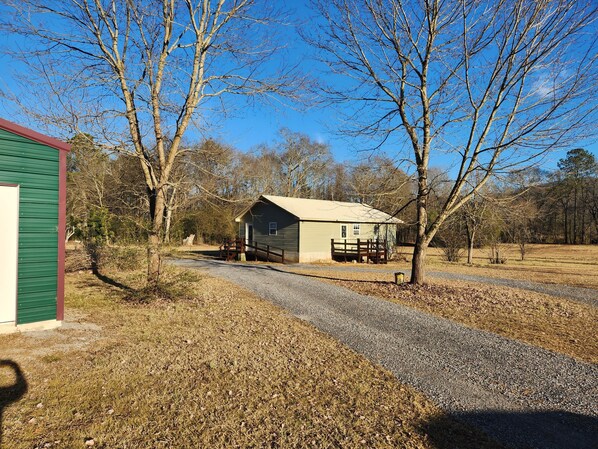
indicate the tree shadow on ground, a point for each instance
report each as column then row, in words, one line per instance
column 112, row 282
column 316, row 276
column 518, row 430
column 212, row 254
column 14, row 390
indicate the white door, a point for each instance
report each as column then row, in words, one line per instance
column 9, row 243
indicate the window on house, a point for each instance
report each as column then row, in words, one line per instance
column 356, row 229
column 273, row 228
column 343, row 231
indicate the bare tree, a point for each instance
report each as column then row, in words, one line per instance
column 381, row 184
column 490, row 85
column 304, row 164
column 144, row 72
column 474, row 213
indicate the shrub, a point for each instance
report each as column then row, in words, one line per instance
column 122, row 258
column 496, row 255
column 452, row 253
column 174, row 285
column 77, row 260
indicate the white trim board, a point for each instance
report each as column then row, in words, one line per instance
column 9, row 248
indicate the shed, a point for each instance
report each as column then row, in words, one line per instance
column 304, row 227
column 32, row 228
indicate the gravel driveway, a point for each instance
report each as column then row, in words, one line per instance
column 523, row 396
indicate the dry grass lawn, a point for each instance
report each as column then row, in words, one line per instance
column 575, row 265
column 219, row 368
column 557, row 324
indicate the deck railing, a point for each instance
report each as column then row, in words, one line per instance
column 374, row 251
column 229, row 250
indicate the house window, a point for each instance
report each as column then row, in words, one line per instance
column 356, row 228
column 273, row 228
column 343, row 231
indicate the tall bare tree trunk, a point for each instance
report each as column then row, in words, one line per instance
column 470, row 240
column 167, row 221
column 154, row 261
column 565, row 225
column 169, row 206
column 418, row 274
column 575, row 212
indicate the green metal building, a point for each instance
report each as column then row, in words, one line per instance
column 32, row 228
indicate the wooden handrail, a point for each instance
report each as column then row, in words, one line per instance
column 370, row 250
column 269, row 250
column 230, row 248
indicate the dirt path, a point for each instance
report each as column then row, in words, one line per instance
column 523, row 396
column 579, row 294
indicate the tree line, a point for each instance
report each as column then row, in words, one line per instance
column 214, row 182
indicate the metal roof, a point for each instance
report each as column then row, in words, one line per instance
column 34, row 135
column 335, row 211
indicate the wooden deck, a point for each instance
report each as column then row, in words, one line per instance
column 374, row 251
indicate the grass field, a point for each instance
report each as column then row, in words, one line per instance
column 215, row 368
column 575, row 265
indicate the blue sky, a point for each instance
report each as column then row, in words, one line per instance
column 252, row 126
column 248, row 126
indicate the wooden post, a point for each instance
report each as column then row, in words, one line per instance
column 345, row 242
column 358, row 251
column 267, row 253
column 283, row 255
column 385, row 251
column 377, row 251
column 332, row 248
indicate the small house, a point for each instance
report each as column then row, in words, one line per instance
column 305, row 228
column 32, row 228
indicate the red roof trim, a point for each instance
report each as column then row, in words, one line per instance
column 34, row 135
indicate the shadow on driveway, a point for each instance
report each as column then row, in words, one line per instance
column 533, row 430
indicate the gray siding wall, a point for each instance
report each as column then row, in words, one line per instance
column 287, row 236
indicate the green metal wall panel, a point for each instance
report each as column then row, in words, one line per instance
column 41, row 313
column 34, row 224
column 30, row 209
column 37, row 285
column 33, row 255
column 19, row 164
column 34, row 270
column 34, row 167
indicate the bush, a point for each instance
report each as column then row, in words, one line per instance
column 174, row 285
column 452, row 253
column 76, row 260
column 122, row 258
column 496, row 255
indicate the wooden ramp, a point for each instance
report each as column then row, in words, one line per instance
column 233, row 249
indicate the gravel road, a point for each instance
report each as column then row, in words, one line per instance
column 579, row 294
column 523, row 396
